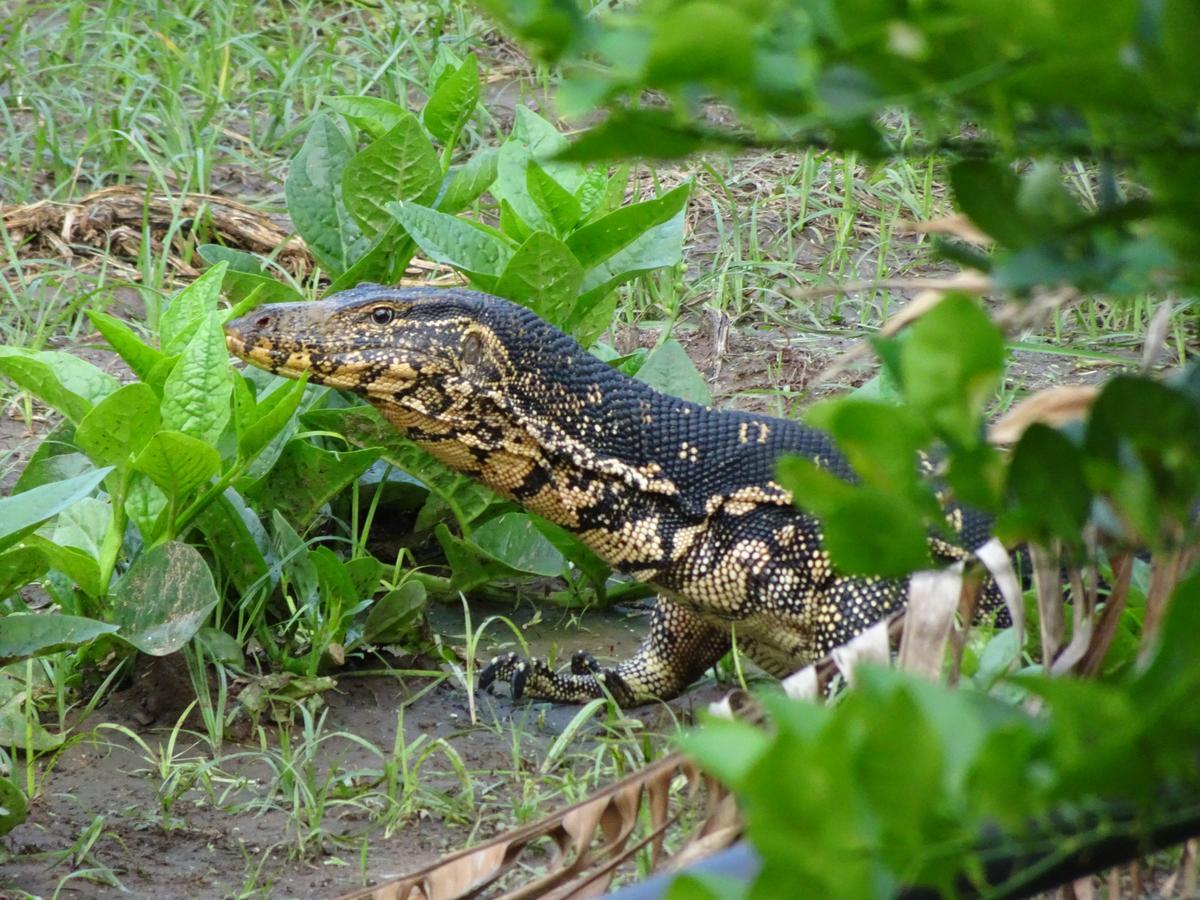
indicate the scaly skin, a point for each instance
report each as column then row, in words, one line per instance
column 674, row 494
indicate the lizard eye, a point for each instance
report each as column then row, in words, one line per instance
column 382, row 315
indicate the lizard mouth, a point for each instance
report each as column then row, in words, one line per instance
column 264, row 355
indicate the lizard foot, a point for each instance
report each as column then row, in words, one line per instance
column 535, row 679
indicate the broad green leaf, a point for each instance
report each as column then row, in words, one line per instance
column 453, row 101
column 271, row 414
column 1047, row 487
column 452, row 241
column 220, row 646
column 120, row 425
column 23, row 635
column 657, row 248
column 952, row 363
column 22, row 513
column 464, row 184
column 190, row 308
column 164, row 598
column 669, row 369
column 236, row 538
column 532, row 139
column 514, row 540
column 178, row 463
column 314, row 198
column 871, row 533
column 556, row 203
column 987, row 192
column 638, row 134
column 383, row 261
column 20, row 566
column 54, row 459
column 544, row 276
column 816, row 490
column 513, row 226
column 543, row 141
column 373, row 115
column 591, row 193
column 701, row 41
column 600, row 240
column 79, row 565
column 395, row 615
column 12, row 806
column 62, row 381
column 83, row 525
column 138, row 355
column 25, row 734
column 236, row 260
column 469, row 567
column 305, row 478
column 197, row 393
column 145, row 504
column 879, row 439
column 401, row 165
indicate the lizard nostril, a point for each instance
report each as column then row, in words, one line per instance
column 263, row 321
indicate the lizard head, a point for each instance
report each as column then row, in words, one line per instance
column 383, row 343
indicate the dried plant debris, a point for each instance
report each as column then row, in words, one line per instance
column 107, row 228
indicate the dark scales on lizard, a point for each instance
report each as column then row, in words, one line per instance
column 674, row 494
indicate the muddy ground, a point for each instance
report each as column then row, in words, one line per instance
column 97, row 828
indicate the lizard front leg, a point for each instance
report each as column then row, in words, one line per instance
column 678, row 649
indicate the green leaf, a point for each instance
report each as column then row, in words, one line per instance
column 556, row 203
column 22, row 513
column 120, row 425
column 401, row 165
column 236, row 538
column 600, row 240
column 638, row 134
column 514, row 540
column 178, row 463
column 870, row 533
column 22, row 733
column 469, row 567
column 197, row 393
column 64, row 382
column 952, row 363
column 12, row 806
column 544, row 276
column 314, row 198
column 395, row 615
column 656, row 248
column 20, row 566
column 669, row 369
column 373, row 115
column 1047, row 488
column 512, row 225
column 464, row 184
column 305, row 478
column 190, row 308
column 816, row 490
column 138, row 355
column 145, row 504
column 270, row 416
column 245, row 275
column 987, row 192
column 532, row 138
column 880, row 440
column 163, row 598
column 37, row 634
column 453, row 242
column 453, row 101
column 79, row 565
